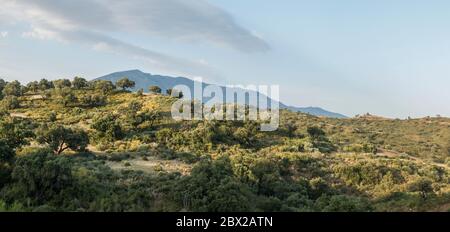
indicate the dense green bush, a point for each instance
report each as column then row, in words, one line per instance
column 12, row 89
column 79, row 83
column 108, row 127
column 58, row 138
column 361, row 148
column 211, row 187
column 342, row 203
column 93, row 100
column 10, row 102
column 41, row 177
column 125, row 83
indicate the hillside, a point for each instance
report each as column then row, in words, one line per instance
column 144, row 80
column 96, row 148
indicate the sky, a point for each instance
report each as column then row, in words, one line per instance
column 384, row 57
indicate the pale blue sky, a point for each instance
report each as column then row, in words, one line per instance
column 389, row 58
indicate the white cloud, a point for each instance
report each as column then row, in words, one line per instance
column 196, row 20
column 42, row 33
column 92, row 21
column 108, row 44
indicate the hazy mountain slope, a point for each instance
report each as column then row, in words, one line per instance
column 144, row 80
column 317, row 111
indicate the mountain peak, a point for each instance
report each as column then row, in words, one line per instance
column 144, row 80
column 133, row 71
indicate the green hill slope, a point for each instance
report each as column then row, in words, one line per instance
column 125, row 153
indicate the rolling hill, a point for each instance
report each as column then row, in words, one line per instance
column 127, row 154
column 144, row 80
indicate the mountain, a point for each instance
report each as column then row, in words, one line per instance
column 317, row 111
column 144, row 80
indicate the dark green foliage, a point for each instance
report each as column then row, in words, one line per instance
column 290, row 128
column 67, row 96
column 93, row 100
column 10, row 102
column 164, row 136
column 15, row 132
column 315, row 132
column 134, row 107
column 212, row 188
column 52, row 117
column 266, row 176
column 109, row 127
column 174, row 93
column 12, row 89
column 342, row 203
column 41, row 177
column 2, row 86
column 422, row 186
column 199, row 139
column 150, row 116
column 246, row 135
column 79, row 83
column 318, row 139
column 125, row 83
column 44, row 84
column 135, row 118
column 6, row 152
column 59, row 138
column 44, row 182
column 62, row 83
column 6, row 162
column 105, row 87
column 33, row 87
column 155, row 89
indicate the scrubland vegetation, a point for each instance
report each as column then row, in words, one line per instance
column 74, row 145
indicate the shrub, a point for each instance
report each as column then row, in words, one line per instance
column 108, row 126
column 93, row 100
column 361, row 148
column 212, row 188
column 105, row 87
column 315, row 132
column 79, row 83
column 41, row 177
column 342, row 203
column 164, row 136
column 125, row 83
column 13, row 89
column 11, row 102
column 155, row 89
column 62, row 83
column 423, row 186
column 59, row 138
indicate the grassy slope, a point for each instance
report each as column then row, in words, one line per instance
column 409, row 148
column 426, row 138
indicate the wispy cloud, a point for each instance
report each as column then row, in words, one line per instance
column 93, row 21
column 105, row 43
column 176, row 19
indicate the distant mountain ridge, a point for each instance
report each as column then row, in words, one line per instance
column 144, row 80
